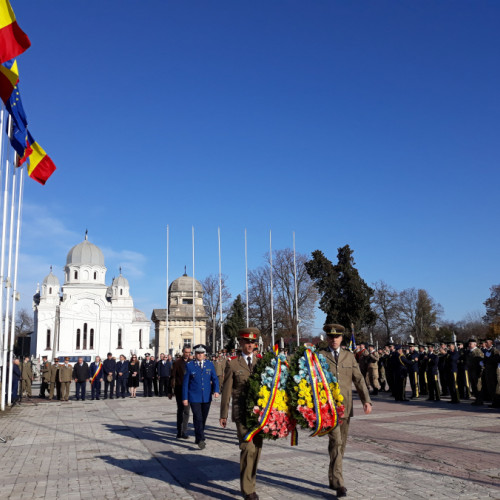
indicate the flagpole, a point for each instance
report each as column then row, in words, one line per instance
column 194, row 307
column 14, row 290
column 246, row 272
column 167, row 339
column 2, row 114
column 296, row 291
column 272, row 300
column 220, row 295
column 2, row 264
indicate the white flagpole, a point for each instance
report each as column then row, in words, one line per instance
column 194, row 306
column 296, row 291
column 14, row 290
column 2, row 114
column 272, row 300
column 166, row 310
column 220, row 295
column 246, row 272
column 2, row 266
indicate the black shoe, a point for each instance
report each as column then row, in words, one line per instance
column 105, row 396
column 184, row 436
column 110, row 397
column 341, row 492
column 92, row 399
column 201, row 445
column 477, row 403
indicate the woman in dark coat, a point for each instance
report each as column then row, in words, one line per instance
column 133, row 379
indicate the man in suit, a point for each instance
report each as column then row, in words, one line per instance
column 95, row 378
column 81, row 374
column 176, row 380
column 344, row 367
column 163, row 370
column 200, row 381
column 148, row 371
column 122, row 369
column 65, row 376
column 45, row 374
column 237, row 372
column 108, row 370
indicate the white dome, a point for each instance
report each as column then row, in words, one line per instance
column 185, row 284
column 121, row 281
column 85, row 253
column 51, row 280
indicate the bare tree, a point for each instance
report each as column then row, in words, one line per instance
column 285, row 311
column 385, row 306
column 24, row 322
column 211, row 301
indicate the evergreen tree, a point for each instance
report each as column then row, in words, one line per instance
column 235, row 321
column 345, row 297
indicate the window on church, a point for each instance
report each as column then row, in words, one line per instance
column 76, row 275
column 78, row 339
column 187, row 301
column 187, row 343
column 47, row 346
column 95, row 275
column 85, row 335
column 140, row 339
column 91, row 339
column 121, row 291
column 50, row 290
column 119, row 339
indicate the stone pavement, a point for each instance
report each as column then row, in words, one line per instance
column 127, row 449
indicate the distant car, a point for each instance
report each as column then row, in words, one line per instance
column 74, row 359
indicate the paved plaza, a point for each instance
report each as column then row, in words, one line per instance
column 127, row 449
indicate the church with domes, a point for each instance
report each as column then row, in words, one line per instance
column 86, row 317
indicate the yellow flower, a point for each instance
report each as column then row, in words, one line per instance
column 310, row 405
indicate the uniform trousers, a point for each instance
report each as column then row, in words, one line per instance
column 337, row 440
column 453, row 387
column 44, row 386
column 57, row 387
column 432, row 381
column 96, row 389
column 163, row 386
column 65, row 390
column 182, row 412
column 121, row 387
column 80, row 390
column 148, row 386
column 413, row 375
column 371, row 379
column 26, row 388
column 422, row 378
column 200, row 414
column 155, row 385
column 249, row 459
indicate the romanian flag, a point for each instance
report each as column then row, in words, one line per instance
column 13, row 40
column 8, row 80
column 40, row 166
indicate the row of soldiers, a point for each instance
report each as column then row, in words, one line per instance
column 459, row 370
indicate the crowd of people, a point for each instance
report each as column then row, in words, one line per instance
column 460, row 370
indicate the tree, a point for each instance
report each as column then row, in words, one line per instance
column 285, row 310
column 419, row 314
column 492, row 304
column 345, row 297
column 236, row 320
column 211, row 302
column 385, row 306
column 24, row 322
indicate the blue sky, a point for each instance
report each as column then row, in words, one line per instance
column 373, row 124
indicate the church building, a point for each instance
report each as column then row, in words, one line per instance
column 183, row 328
column 86, row 317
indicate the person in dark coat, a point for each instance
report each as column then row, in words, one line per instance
column 176, row 381
column 81, row 374
column 133, row 375
column 432, row 361
column 400, row 365
column 122, row 371
column 163, row 370
column 95, row 378
column 16, row 377
column 451, row 368
column 148, row 369
column 412, row 356
column 109, row 369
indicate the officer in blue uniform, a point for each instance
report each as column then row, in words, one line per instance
column 432, row 374
column 400, row 365
column 200, row 382
column 451, row 367
column 412, row 356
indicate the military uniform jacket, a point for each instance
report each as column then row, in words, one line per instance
column 236, row 374
column 26, row 371
column 54, row 370
column 65, row 373
column 473, row 361
column 413, row 358
column 372, row 360
column 451, row 361
column 199, row 382
column 347, row 372
column 148, row 369
column 45, row 370
column 490, row 357
column 220, row 366
column 432, row 363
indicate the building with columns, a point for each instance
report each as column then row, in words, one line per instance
column 86, row 317
column 183, row 331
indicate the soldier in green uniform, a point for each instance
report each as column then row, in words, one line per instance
column 65, row 376
column 55, row 380
column 26, row 377
column 45, row 374
column 237, row 372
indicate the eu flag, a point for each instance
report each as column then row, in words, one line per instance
column 19, row 122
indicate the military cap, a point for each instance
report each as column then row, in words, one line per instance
column 66, row 358
column 56, row 360
column 397, row 347
column 251, row 334
column 460, row 341
column 421, row 345
column 411, row 344
column 471, row 340
column 200, row 349
column 44, row 357
column 334, row 329
column 371, row 345
column 430, row 345
column 147, row 354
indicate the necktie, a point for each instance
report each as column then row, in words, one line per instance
column 336, row 356
column 249, row 361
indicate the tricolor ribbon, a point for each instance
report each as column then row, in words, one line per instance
column 317, row 375
column 267, row 410
column 96, row 373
